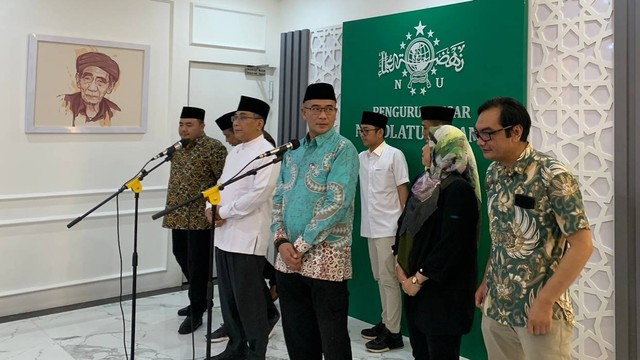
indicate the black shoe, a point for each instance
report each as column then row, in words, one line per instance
column 272, row 323
column 184, row 311
column 230, row 355
column 385, row 342
column 219, row 335
column 190, row 325
column 373, row 332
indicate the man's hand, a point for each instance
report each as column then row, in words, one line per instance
column 209, row 214
column 540, row 315
column 219, row 220
column 290, row 256
column 481, row 293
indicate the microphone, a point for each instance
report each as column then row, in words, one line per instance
column 291, row 145
column 171, row 149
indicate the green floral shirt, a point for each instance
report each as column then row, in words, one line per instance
column 533, row 207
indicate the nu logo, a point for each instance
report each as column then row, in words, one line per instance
column 421, row 58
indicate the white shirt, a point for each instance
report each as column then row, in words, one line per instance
column 245, row 205
column 381, row 172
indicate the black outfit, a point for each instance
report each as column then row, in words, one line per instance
column 320, row 325
column 444, row 250
column 269, row 273
column 244, row 303
column 191, row 249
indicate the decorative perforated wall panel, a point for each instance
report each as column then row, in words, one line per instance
column 326, row 59
column 571, row 103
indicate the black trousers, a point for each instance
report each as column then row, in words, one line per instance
column 243, row 301
column 191, row 250
column 269, row 273
column 431, row 347
column 314, row 317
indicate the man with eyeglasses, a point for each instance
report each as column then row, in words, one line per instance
column 242, row 220
column 384, row 175
column 221, row 334
column 312, row 225
column 540, row 237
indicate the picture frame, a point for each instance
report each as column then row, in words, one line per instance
column 86, row 86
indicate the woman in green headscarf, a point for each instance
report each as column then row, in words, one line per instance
column 436, row 246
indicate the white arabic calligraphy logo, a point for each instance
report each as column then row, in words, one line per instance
column 421, row 59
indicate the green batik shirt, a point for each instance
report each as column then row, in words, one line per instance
column 533, row 207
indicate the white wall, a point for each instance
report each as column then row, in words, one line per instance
column 307, row 14
column 49, row 179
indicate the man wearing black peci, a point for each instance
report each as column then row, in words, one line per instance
column 194, row 168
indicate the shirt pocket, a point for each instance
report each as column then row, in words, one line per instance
column 382, row 181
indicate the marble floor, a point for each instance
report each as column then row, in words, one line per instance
column 96, row 333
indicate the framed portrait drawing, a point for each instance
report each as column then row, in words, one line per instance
column 86, row 86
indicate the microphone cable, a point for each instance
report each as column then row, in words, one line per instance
column 249, row 163
column 193, row 337
column 120, row 278
column 124, row 325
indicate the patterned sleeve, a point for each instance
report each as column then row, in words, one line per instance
column 334, row 214
column 277, row 223
column 218, row 156
column 566, row 201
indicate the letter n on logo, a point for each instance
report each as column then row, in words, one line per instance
column 398, row 84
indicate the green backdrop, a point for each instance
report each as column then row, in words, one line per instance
column 457, row 55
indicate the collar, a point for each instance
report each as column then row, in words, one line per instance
column 78, row 107
column 521, row 164
column 378, row 150
column 196, row 141
column 250, row 143
column 320, row 139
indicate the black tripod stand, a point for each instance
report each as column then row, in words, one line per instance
column 135, row 185
column 213, row 196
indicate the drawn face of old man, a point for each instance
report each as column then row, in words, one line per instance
column 96, row 76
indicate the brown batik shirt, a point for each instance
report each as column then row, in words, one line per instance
column 193, row 170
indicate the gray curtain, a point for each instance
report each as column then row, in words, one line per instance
column 294, row 78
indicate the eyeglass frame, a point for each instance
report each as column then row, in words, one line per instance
column 320, row 109
column 489, row 133
column 243, row 117
column 366, row 131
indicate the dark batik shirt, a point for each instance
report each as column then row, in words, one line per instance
column 193, row 170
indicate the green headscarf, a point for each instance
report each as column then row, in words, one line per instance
column 452, row 153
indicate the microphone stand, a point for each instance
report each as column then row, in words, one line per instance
column 134, row 185
column 213, row 196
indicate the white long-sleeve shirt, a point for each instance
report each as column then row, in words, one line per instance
column 246, row 204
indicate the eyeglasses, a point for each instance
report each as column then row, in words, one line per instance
column 365, row 131
column 317, row 110
column 243, row 117
column 88, row 78
column 485, row 135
